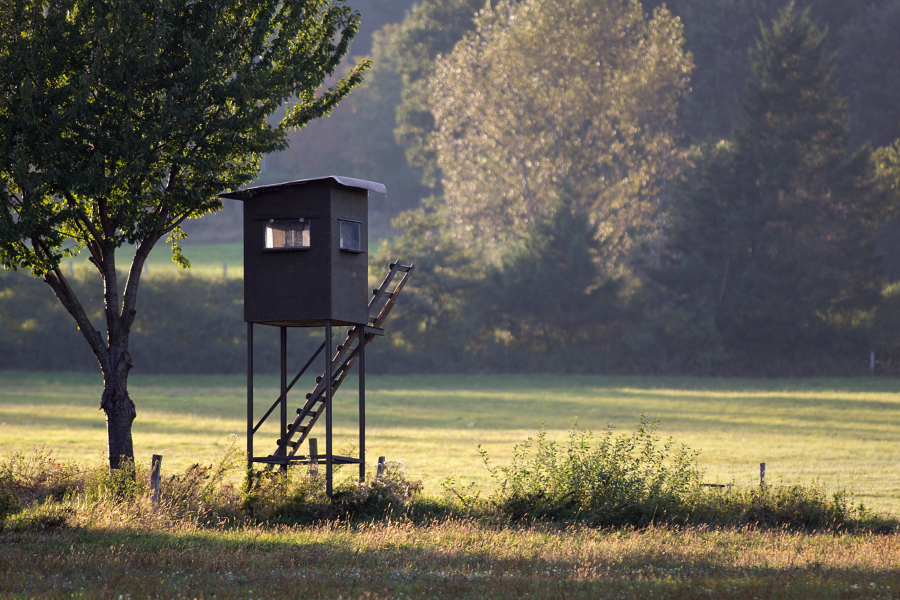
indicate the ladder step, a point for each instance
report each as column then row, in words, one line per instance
column 321, row 399
column 313, row 409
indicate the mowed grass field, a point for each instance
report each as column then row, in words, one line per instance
column 207, row 260
column 212, row 260
column 843, row 432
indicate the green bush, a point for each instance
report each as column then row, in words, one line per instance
column 798, row 506
column 619, row 480
column 637, row 479
column 114, row 485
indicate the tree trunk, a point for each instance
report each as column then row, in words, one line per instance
column 120, row 411
column 112, row 353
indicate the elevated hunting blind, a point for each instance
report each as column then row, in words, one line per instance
column 306, row 265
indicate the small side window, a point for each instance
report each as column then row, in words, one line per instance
column 350, row 236
column 287, row 234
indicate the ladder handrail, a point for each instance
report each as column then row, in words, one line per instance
column 342, row 361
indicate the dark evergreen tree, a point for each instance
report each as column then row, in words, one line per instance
column 718, row 33
column 773, row 233
column 870, row 72
column 548, row 294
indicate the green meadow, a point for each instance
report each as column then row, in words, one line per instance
column 207, row 260
column 213, row 260
column 843, row 432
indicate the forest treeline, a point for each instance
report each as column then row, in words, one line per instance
column 628, row 188
column 696, row 186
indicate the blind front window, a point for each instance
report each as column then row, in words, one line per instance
column 282, row 234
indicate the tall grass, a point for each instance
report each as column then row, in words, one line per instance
column 632, row 479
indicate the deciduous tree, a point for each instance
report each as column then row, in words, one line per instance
column 119, row 120
column 548, row 94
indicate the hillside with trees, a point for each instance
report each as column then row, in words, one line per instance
column 704, row 186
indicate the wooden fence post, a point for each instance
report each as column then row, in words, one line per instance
column 380, row 472
column 762, row 474
column 155, row 466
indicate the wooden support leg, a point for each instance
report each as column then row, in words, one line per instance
column 362, row 404
column 329, row 466
column 249, row 395
column 282, row 436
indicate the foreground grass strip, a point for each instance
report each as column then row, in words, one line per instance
column 449, row 559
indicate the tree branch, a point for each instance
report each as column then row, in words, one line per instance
column 129, row 300
column 111, row 295
column 104, row 217
column 63, row 291
column 93, row 247
column 73, row 204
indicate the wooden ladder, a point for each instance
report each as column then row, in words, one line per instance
column 379, row 307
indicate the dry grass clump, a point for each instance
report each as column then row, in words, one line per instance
column 299, row 495
column 37, row 493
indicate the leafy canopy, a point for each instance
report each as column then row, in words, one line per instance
column 545, row 95
column 119, row 120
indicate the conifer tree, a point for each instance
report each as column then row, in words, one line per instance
column 773, row 232
column 547, row 294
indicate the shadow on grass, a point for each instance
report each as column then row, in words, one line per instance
column 445, row 560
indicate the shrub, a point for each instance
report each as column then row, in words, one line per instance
column 627, row 479
column 798, row 506
column 636, row 479
column 391, row 491
column 124, row 484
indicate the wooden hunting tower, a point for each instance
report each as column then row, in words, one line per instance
column 305, row 259
column 306, row 265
